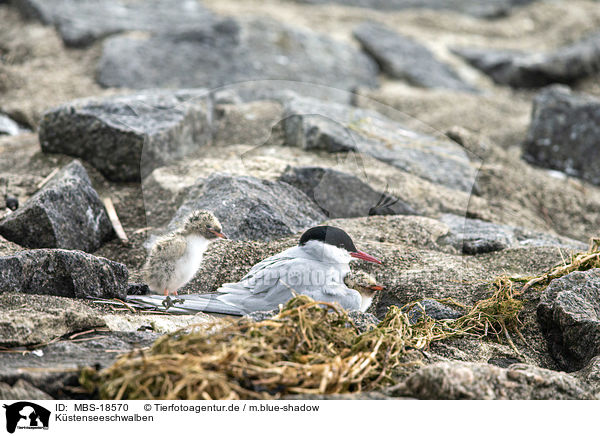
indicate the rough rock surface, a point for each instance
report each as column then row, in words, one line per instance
column 227, row 52
column 433, row 309
column 7, row 247
column 342, row 195
column 20, row 390
column 404, row 58
column 563, row 134
column 477, row 381
column 316, row 125
column 63, row 273
column 248, row 123
column 34, row 319
column 82, row 22
column 487, row 9
column 250, row 208
column 569, row 313
column 65, row 213
column 472, row 236
column 55, row 370
column 530, row 70
column 125, row 137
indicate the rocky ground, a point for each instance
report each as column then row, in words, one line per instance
column 456, row 141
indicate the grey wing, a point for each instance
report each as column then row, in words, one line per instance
column 263, row 288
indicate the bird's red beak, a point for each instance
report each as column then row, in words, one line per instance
column 376, row 288
column 218, row 235
column 364, row 256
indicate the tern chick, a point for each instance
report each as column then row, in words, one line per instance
column 365, row 284
column 175, row 257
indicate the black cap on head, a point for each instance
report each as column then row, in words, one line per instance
column 329, row 235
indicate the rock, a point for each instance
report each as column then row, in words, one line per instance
column 591, row 373
column 487, row 9
column 404, row 58
column 473, row 236
column 8, row 126
column 563, row 134
column 22, row 389
column 153, row 323
column 248, row 123
column 317, row 125
column 7, row 247
column 126, row 137
column 363, row 321
column 27, row 320
column 250, row 208
column 137, row 289
column 569, row 313
column 80, row 23
column 63, row 273
column 531, row 70
column 342, row 195
column 65, row 213
column 433, row 309
column 56, row 369
column 227, row 52
column 481, row 381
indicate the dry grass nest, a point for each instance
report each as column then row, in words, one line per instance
column 308, row 348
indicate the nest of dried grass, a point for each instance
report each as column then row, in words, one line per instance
column 308, row 348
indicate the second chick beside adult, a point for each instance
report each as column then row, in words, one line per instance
column 365, row 284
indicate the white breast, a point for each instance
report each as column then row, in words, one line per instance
column 365, row 303
column 189, row 263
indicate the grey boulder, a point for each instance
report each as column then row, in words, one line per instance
column 482, row 381
column 342, row 195
column 531, row 70
column 563, row 134
column 251, row 208
column 404, row 58
column 63, row 273
column 569, row 313
column 65, row 213
column 125, row 137
column 226, row 52
column 81, row 22
column 333, row 127
column 473, row 236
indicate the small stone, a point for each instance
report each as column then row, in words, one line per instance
column 433, row 309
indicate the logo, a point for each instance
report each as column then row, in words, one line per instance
column 26, row 415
